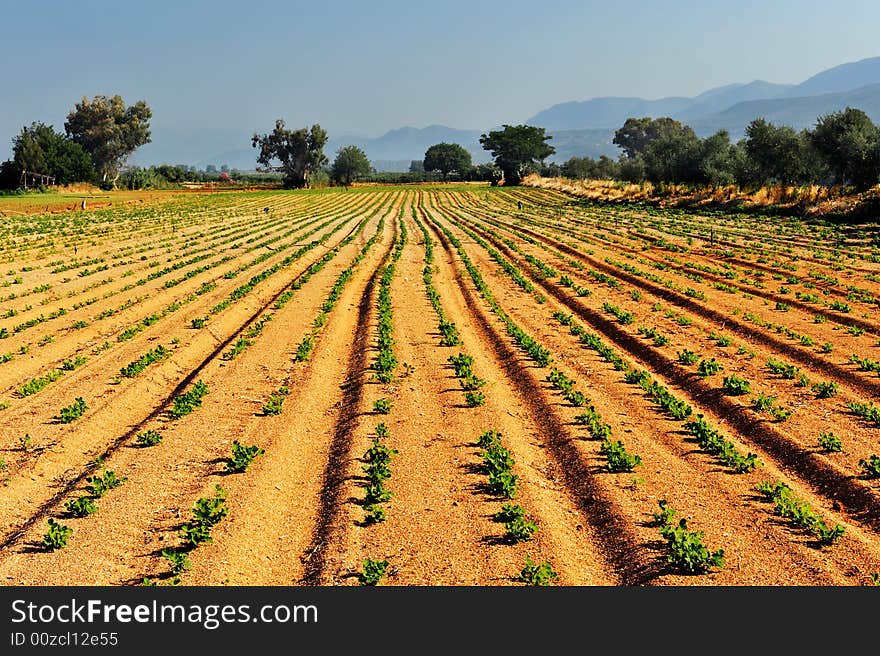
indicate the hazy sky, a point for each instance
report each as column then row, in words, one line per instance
column 368, row 66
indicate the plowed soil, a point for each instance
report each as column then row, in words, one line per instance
column 280, row 293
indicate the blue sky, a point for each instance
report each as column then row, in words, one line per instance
column 216, row 68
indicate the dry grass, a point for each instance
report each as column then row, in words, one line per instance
column 811, row 200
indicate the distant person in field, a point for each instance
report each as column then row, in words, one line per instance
column 519, row 205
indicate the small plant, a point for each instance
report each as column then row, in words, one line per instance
column 57, row 535
column 871, row 466
column 828, row 441
column 708, row 367
column 686, row 551
column 382, row 406
column 617, row 458
column 80, row 507
column 825, row 390
column 687, row 357
column 188, row 401
column 198, row 322
column 98, row 486
column 276, row 399
column 72, row 412
column 25, row 443
column 763, row 402
column 374, row 513
column 519, row 529
column 242, row 457
column 779, row 413
column 724, row 341
column 149, row 438
column 179, row 560
column 373, row 572
column 736, row 386
column 533, row 574
column 475, row 398
column 827, row 347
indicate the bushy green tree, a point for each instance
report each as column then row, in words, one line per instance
column 446, row 158
column 299, row 152
column 516, row 148
column 39, row 148
column 350, row 164
column 109, row 131
column 850, row 143
column 778, row 153
column 637, row 134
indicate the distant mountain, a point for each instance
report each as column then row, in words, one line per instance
column 798, row 113
column 604, row 112
column 845, row 77
column 587, row 127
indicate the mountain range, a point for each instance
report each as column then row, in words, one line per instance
column 586, row 127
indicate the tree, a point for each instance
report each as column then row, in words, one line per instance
column 636, row 134
column 299, row 152
column 778, row 153
column 850, row 143
column 447, row 157
column 416, row 166
column 673, row 155
column 41, row 149
column 515, row 147
column 350, row 164
column 109, row 131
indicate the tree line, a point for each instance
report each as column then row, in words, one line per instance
column 100, row 134
column 842, row 148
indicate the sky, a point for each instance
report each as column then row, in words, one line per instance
column 213, row 69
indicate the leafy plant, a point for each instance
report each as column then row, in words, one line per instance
column 80, row 507
column 373, row 572
column 686, row 551
column 763, row 402
column 617, row 458
column 188, row 401
column 533, row 574
column 99, row 485
column 825, row 390
column 242, row 457
column 687, row 357
column 72, row 412
column 275, row 401
column 56, row 536
column 708, row 367
column 382, row 406
column 475, row 398
column 179, row 560
column 735, row 385
column 149, row 438
column 871, row 466
column 830, row 442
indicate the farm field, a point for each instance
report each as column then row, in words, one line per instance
column 436, row 386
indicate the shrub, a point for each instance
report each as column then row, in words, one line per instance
column 871, row 466
column 72, row 412
column 825, row 390
column 708, row 367
column 99, row 485
column 830, row 442
column 149, row 438
column 373, row 572
column 188, row 401
column 179, row 560
column 57, row 535
column 533, row 574
column 276, row 399
column 242, row 457
column 687, row 357
column 735, row 385
column 80, row 507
